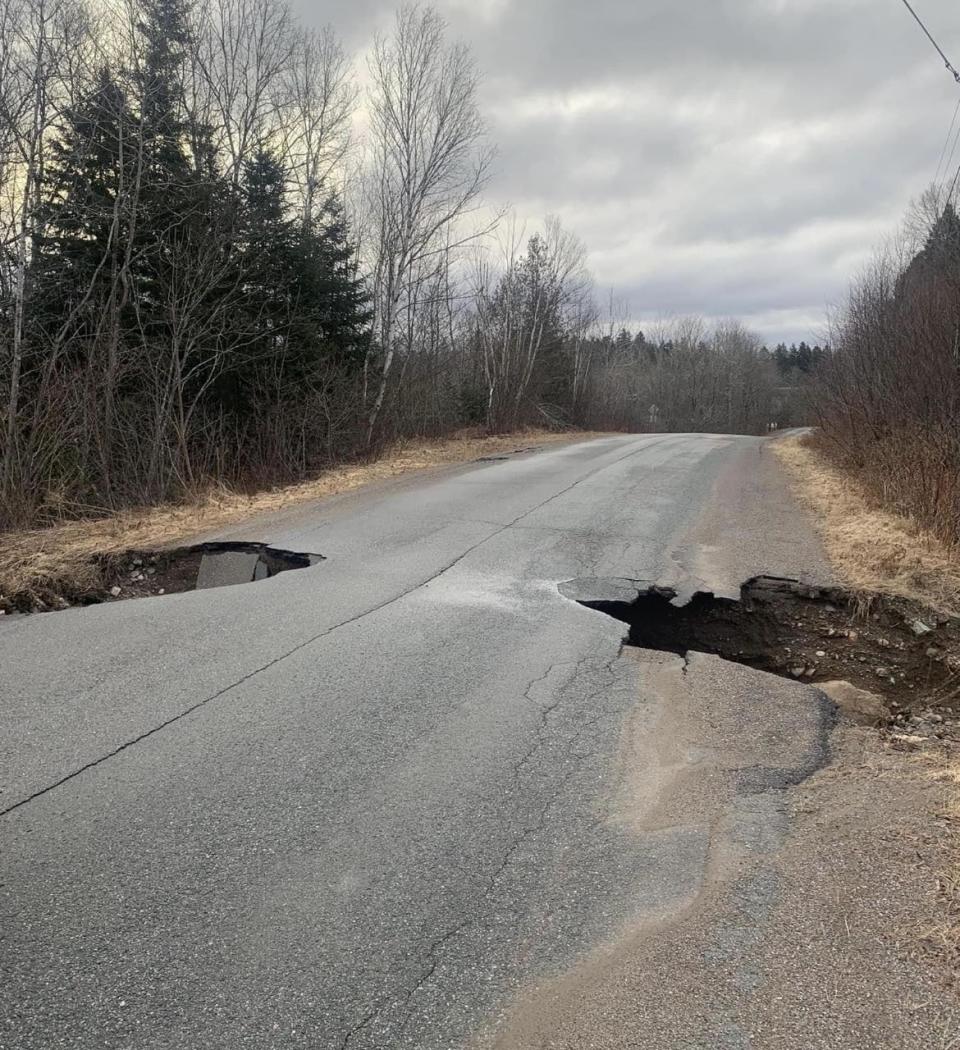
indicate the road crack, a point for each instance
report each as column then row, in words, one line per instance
column 433, row 952
column 193, row 708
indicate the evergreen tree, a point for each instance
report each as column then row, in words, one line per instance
column 303, row 300
column 939, row 257
column 90, row 181
column 340, row 304
column 624, row 340
column 266, row 240
column 182, row 204
column 163, row 30
column 781, row 358
column 941, row 253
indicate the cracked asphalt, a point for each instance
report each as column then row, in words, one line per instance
column 364, row 804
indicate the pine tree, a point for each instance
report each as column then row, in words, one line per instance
column 163, row 29
column 939, row 257
column 781, row 358
column 337, row 296
column 303, row 301
column 90, row 183
column 624, row 340
column 182, row 203
column 266, row 240
column 941, row 253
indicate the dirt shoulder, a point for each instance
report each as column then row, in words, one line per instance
column 822, row 925
column 911, row 766
column 76, row 562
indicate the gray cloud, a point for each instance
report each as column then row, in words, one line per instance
column 724, row 157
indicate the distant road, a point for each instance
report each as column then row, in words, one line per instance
column 368, row 803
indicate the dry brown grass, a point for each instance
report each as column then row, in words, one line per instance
column 871, row 548
column 45, row 562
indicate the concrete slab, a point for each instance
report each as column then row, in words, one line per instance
column 226, row 568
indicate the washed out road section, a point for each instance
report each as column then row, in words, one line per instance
column 359, row 804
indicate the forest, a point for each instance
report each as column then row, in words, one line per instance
column 222, row 262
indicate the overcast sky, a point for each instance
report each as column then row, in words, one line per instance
column 721, row 157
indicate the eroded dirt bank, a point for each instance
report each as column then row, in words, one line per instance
column 905, row 651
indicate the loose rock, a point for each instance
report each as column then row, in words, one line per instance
column 858, row 705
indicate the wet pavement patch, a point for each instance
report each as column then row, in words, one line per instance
column 147, row 574
column 893, row 647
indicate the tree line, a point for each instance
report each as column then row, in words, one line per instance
column 888, row 398
column 221, row 262
column 802, row 359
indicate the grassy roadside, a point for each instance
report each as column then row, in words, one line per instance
column 51, row 564
column 875, row 549
column 871, row 548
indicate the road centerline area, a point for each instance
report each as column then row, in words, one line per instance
column 222, row 692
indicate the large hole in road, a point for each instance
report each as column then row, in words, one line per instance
column 899, row 649
column 138, row 574
column 146, row 574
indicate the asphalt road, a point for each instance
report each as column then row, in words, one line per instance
column 365, row 804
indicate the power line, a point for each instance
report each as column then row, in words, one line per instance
column 947, row 166
column 956, row 77
column 946, row 145
column 953, row 186
column 946, row 61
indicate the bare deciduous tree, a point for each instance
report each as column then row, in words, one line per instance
column 545, row 294
column 429, row 168
column 320, row 98
column 37, row 41
column 242, row 52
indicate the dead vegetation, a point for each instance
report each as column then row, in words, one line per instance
column 44, row 567
column 871, row 548
column 887, row 397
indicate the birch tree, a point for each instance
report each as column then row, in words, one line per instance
column 38, row 39
column 242, row 51
column 539, row 300
column 429, row 168
column 320, row 98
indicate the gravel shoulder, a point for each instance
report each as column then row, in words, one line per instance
column 823, row 921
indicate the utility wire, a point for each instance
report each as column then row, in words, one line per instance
column 956, row 76
column 946, row 145
column 953, row 186
column 946, row 61
column 947, row 166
